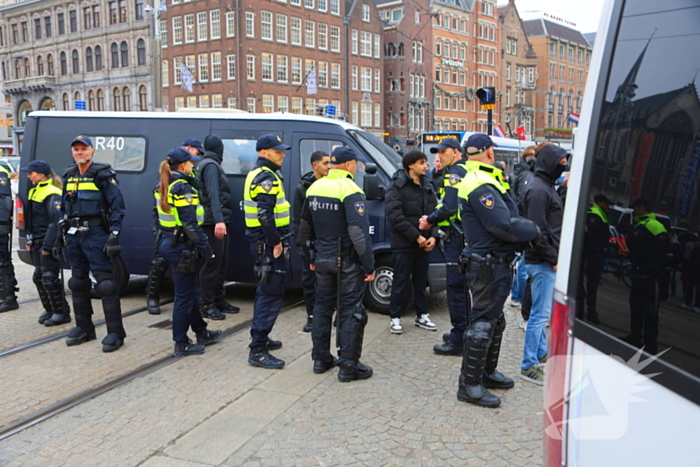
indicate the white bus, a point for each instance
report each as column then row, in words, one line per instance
column 607, row 402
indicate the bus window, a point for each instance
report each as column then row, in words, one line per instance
column 239, row 156
column 123, row 153
column 308, row 146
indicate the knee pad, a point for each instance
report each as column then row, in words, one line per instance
column 49, row 277
column 159, row 265
column 107, row 288
column 79, row 282
column 36, row 277
column 356, row 319
column 479, row 333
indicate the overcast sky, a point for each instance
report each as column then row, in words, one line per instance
column 586, row 14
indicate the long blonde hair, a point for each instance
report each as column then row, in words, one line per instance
column 166, row 174
column 55, row 179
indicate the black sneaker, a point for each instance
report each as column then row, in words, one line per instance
column 226, row 307
column 9, row 304
column 208, row 337
column 321, row 366
column 77, row 336
column 57, row 319
column 111, row 343
column 44, row 316
column 184, row 349
column 274, row 345
column 212, row 312
column 309, row 326
column 153, row 305
column 448, row 348
column 351, row 371
column 265, row 360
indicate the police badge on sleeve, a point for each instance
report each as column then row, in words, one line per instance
column 266, row 185
column 360, row 207
column 57, row 205
column 487, row 200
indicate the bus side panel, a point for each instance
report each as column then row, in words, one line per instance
column 618, row 416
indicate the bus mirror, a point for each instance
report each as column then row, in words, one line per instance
column 370, row 185
column 370, row 168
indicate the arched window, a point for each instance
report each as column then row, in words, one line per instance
column 27, row 68
column 127, row 99
column 40, row 66
column 400, row 50
column 18, row 69
column 115, row 55
column 91, row 100
column 125, row 54
column 76, row 98
column 98, row 58
column 143, row 98
column 116, row 100
column 76, row 62
column 100, row 99
column 64, row 64
column 65, row 100
column 141, row 51
column 49, row 63
column 88, row 59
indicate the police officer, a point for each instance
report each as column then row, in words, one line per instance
column 595, row 242
column 494, row 233
column 647, row 248
column 193, row 146
column 43, row 214
column 267, row 220
column 335, row 215
column 180, row 216
column 321, row 164
column 8, row 283
column 94, row 208
column 450, row 154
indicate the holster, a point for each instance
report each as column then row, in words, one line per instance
column 263, row 265
column 190, row 261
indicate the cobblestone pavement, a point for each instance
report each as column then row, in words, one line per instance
column 215, row 409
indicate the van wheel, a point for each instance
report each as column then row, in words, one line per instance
column 378, row 294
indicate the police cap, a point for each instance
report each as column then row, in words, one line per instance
column 342, row 155
column 271, row 142
column 195, row 143
column 478, row 143
column 37, row 166
column 179, row 155
column 445, row 144
column 82, row 139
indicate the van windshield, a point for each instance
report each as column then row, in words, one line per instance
column 385, row 157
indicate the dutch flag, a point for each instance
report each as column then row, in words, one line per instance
column 573, row 118
column 498, row 131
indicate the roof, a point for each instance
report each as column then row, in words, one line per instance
column 650, row 104
column 467, row 5
column 544, row 27
column 590, row 37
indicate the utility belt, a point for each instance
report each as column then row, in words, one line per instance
column 487, row 262
column 83, row 224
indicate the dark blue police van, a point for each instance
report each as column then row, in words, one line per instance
column 135, row 143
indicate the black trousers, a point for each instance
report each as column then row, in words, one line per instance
column 410, row 267
column 588, row 288
column 212, row 276
column 489, row 294
column 308, row 284
column 644, row 314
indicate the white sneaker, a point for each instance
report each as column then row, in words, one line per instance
column 523, row 325
column 425, row 323
column 396, row 327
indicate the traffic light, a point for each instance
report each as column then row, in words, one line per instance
column 486, row 95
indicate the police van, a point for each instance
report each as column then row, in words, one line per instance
column 607, row 400
column 135, row 143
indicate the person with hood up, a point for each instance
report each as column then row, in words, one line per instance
column 218, row 215
column 542, row 205
column 410, row 196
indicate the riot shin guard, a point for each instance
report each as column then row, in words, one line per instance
column 8, row 300
column 477, row 342
column 155, row 280
column 59, row 305
column 109, row 291
column 492, row 377
column 43, row 295
column 352, row 331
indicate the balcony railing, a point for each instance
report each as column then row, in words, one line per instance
column 32, row 83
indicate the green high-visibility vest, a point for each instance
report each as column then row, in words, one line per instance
column 43, row 190
column 649, row 221
column 250, row 193
column 171, row 220
column 479, row 174
column 441, row 193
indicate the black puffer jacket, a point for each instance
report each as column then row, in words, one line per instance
column 215, row 194
column 522, row 175
column 299, row 196
column 405, row 203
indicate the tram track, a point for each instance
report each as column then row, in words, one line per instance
column 84, row 396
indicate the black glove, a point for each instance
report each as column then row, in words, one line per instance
column 210, row 259
column 112, row 247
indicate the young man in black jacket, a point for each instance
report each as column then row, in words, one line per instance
column 215, row 196
column 321, row 164
column 409, row 197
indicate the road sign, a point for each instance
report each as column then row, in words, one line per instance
column 488, row 106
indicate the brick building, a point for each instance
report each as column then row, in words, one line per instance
column 270, row 57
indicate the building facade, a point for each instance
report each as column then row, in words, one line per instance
column 518, row 77
column 297, row 56
column 65, row 55
column 563, row 57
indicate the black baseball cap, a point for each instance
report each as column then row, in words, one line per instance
column 445, row 144
column 343, row 154
column 38, row 166
column 478, row 143
column 271, row 142
column 82, row 139
column 180, row 155
column 601, row 199
column 195, row 143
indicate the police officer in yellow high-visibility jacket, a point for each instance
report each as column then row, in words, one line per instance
column 335, row 212
column 267, row 219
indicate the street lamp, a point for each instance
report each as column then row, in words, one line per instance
column 156, row 55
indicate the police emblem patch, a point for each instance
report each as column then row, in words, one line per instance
column 454, row 180
column 487, row 200
column 57, row 205
column 360, row 208
column 189, row 198
column 266, row 185
column 3, row 181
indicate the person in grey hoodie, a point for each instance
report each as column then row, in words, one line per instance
column 215, row 196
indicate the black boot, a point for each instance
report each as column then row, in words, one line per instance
column 494, row 379
column 308, row 327
column 323, row 361
column 208, row 337
column 59, row 305
column 155, row 278
column 351, row 371
column 109, row 291
column 471, row 388
column 43, row 296
column 448, row 348
column 153, row 305
column 8, row 287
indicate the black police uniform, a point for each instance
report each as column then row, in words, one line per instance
column 8, row 282
column 494, row 232
column 43, row 215
column 595, row 242
column 159, row 266
column 94, row 207
column 308, row 277
column 458, row 300
column 335, row 215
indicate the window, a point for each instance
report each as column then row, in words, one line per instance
column 266, row 26
column 354, row 77
column 335, row 76
column 249, row 24
column 91, row 100
column 377, row 80
column 165, row 73
column 231, row 102
column 354, row 41
column 40, row 66
column 296, row 31
column 177, row 69
column 366, row 81
column 377, row 46
column 203, row 68
column 309, row 4
column 215, row 24
column 202, row 26
column 73, row 15
column 204, row 102
column 295, row 2
column 217, row 101
column 282, row 104
column 27, row 68
column 189, row 28
column 366, row 113
column 335, row 39
column 64, row 64
column 163, row 30
column 282, row 29
column 122, row 11
column 268, row 103
column 355, row 117
column 47, row 26
column 322, row 74
column 230, row 67
column 179, row 103
column 365, row 13
column 250, row 66
column 65, row 101
column 138, row 9
column 366, row 44
column 88, row 59
column 216, row 66
column 115, row 55
column 37, row 28
column 296, row 70
column 335, row 7
column 177, row 30
column 323, row 36
column 297, row 105
column 251, row 104
column 309, row 34
column 396, row 15
column 141, row 52
column 49, row 64
column 15, row 34
column 98, row 58
column 417, row 17
column 281, row 69
column 266, row 60
column 310, row 106
column 230, row 24
column 125, row 54
column 96, row 23
column 61, row 25
column 126, row 93
column 113, row 17
column 143, row 98
column 531, row 74
column 116, row 100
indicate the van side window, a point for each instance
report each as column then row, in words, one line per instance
column 309, row 146
column 123, row 153
column 647, row 154
column 239, row 156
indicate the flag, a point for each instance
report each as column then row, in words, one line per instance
column 521, row 132
column 186, row 78
column 498, row 131
column 573, row 118
column 311, row 84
